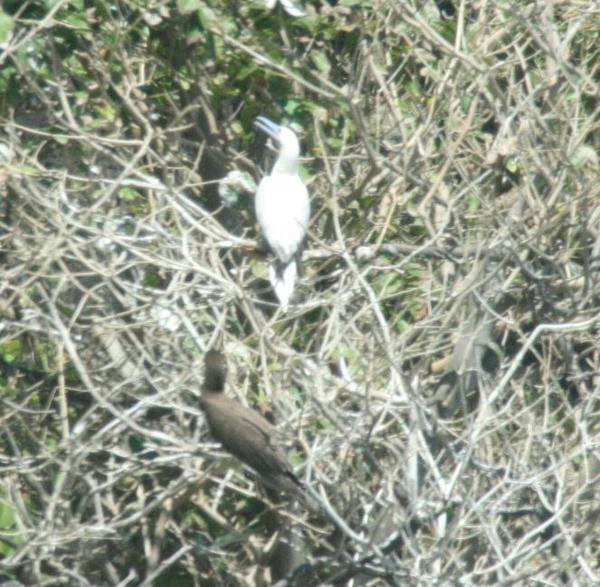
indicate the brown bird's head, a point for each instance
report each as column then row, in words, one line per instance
column 215, row 371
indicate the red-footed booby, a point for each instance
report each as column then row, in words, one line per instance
column 245, row 433
column 282, row 208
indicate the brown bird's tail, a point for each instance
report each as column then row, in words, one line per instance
column 288, row 484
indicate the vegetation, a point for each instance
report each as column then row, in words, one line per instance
column 438, row 374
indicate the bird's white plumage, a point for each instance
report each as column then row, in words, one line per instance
column 283, row 209
column 282, row 212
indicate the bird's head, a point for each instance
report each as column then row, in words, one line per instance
column 284, row 138
column 215, row 371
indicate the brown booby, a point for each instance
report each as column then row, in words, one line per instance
column 244, row 432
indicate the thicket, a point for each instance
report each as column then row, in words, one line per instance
column 438, row 374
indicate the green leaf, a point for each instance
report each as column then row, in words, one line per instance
column 7, row 527
column 304, row 172
column 511, row 165
column 335, row 143
column 128, row 193
column 78, row 21
column 291, row 106
column 11, row 350
column 187, row 6
column 321, row 62
column 401, row 325
column 247, row 70
column 106, row 111
column 7, row 516
column 50, row 4
column 152, row 280
column 474, row 204
column 207, row 17
column 259, row 270
column 6, row 25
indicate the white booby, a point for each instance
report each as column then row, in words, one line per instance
column 282, row 208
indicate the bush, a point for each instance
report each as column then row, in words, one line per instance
column 437, row 375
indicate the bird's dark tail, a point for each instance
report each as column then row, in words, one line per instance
column 289, row 484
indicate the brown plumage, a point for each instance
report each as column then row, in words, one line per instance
column 244, row 432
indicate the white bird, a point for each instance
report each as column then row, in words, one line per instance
column 282, row 208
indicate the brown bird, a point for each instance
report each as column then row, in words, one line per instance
column 244, row 432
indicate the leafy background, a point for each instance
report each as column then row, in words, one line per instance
column 437, row 377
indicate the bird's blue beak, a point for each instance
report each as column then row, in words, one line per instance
column 267, row 126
